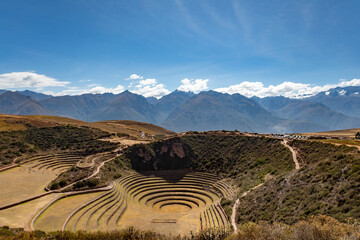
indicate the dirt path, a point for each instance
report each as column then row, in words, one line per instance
column 236, row 205
column 293, row 151
column 233, row 214
column 92, row 161
column 237, row 202
column 92, row 175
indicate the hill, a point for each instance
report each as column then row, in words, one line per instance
column 146, row 128
column 127, row 129
column 327, row 183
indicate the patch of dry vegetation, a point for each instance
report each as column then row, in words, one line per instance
column 13, row 145
column 319, row 228
column 347, row 133
column 328, row 183
column 245, row 159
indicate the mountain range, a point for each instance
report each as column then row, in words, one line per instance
column 337, row 108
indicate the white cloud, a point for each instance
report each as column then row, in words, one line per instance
column 287, row 89
column 134, row 77
column 101, row 90
column 28, row 80
column 146, row 87
column 195, row 86
column 156, row 91
column 93, row 85
column 149, row 81
column 149, row 88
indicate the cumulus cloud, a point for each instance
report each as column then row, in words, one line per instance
column 135, row 77
column 286, row 89
column 149, row 88
column 149, row 81
column 101, row 90
column 192, row 85
column 28, row 80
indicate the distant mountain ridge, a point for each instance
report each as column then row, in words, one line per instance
column 18, row 104
column 344, row 100
column 337, row 108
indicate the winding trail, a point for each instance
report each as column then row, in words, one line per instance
column 293, row 151
column 92, row 175
column 233, row 214
column 237, row 202
column 95, row 172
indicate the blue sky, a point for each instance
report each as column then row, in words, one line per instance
column 250, row 47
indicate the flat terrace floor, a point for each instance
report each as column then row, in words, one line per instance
column 24, row 182
column 164, row 203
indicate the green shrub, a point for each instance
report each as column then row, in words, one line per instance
column 54, row 186
column 63, row 183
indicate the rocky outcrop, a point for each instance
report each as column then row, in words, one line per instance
column 169, row 154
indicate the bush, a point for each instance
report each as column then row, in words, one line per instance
column 55, row 186
column 357, row 135
column 63, row 183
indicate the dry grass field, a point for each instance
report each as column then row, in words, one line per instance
column 27, row 181
column 54, row 217
column 345, row 133
column 21, row 215
column 4, row 126
column 24, row 182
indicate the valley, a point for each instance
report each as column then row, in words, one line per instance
column 179, row 120
column 114, row 175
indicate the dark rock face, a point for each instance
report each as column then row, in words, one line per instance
column 170, row 154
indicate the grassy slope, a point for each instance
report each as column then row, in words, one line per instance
column 132, row 128
column 245, row 159
column 328, row 183
column 21, row 135
column 139, row 126
column 80, row 140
